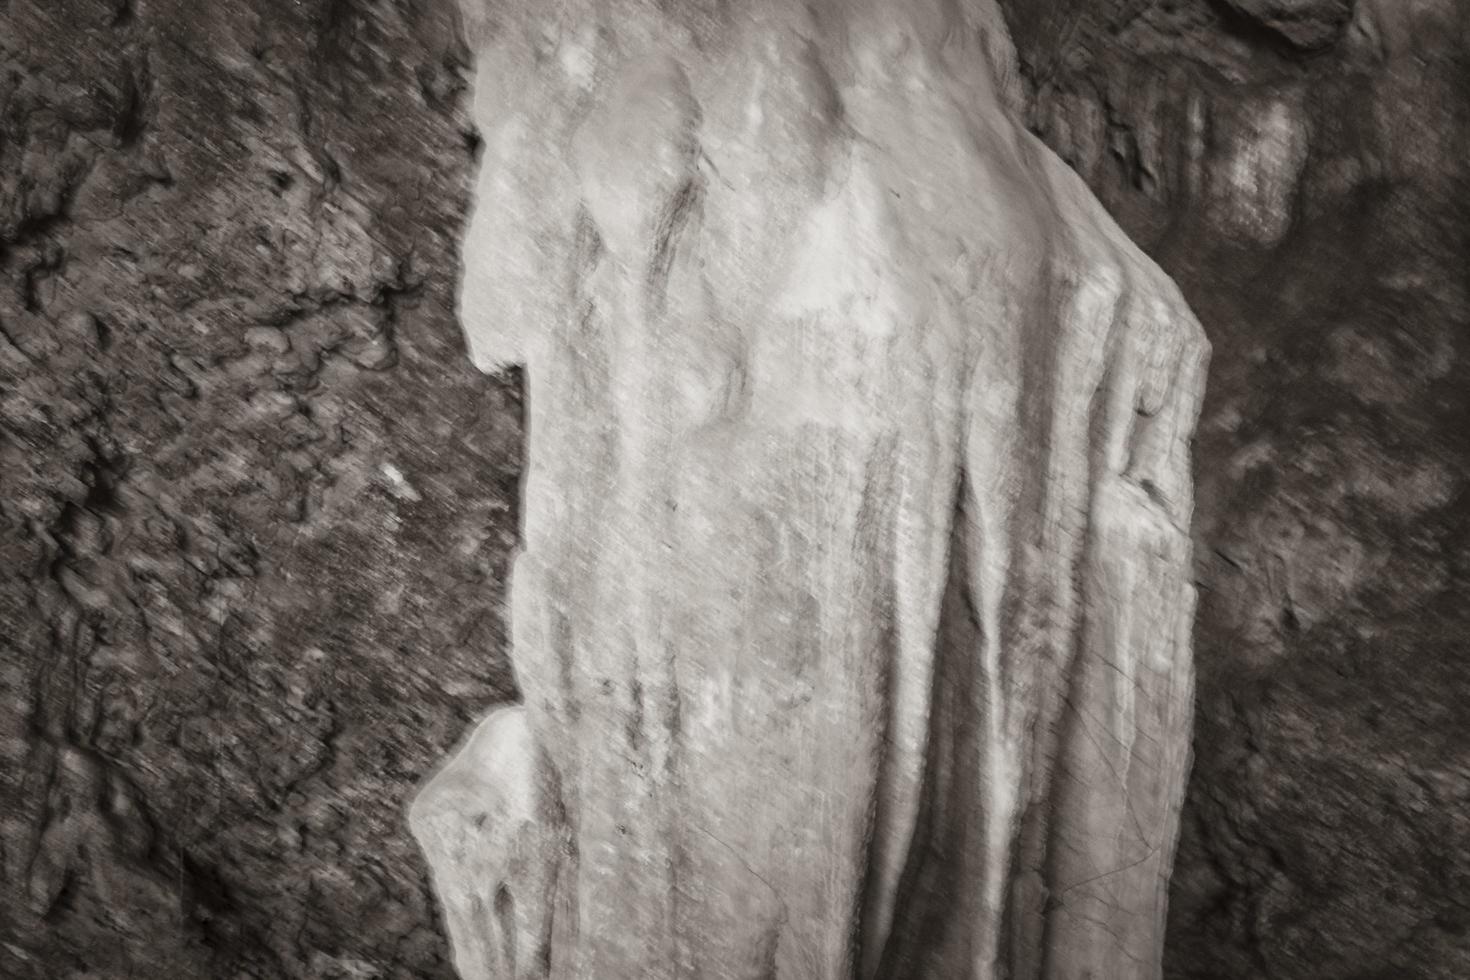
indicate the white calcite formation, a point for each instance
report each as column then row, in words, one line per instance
column 853, row 612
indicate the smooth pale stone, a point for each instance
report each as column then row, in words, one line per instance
column 852, row 617
column 491, row 825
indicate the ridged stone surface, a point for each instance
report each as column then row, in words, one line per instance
column 853, row 613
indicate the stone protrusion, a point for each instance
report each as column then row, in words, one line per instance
column 852, row 620
column 491, row 825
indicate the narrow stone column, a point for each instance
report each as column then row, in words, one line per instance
column 853, row 611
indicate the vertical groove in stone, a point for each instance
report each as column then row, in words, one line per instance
column 855, row 505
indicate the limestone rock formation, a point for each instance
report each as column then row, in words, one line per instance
column 257, row 508
column 852, row 618
column 1312, row 207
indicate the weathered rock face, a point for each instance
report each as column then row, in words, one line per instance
column 852, row 618
column 211, row 723
column 1313, row 212
column 256, row 505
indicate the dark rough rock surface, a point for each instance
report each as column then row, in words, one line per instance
column 1316, row 212
column 257, row 505
column 1307, row 24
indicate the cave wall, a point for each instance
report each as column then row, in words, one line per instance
column 1300, row 168
column 258, row 505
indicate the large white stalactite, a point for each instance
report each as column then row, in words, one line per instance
column 853, row 612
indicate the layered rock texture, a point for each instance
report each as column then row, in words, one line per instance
column 853, row 616
column 212, row 724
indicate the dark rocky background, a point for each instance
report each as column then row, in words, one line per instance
column 1302, row 168
column 257, row 506
column 257, row 503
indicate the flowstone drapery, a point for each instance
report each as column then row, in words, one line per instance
column 852, row 618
